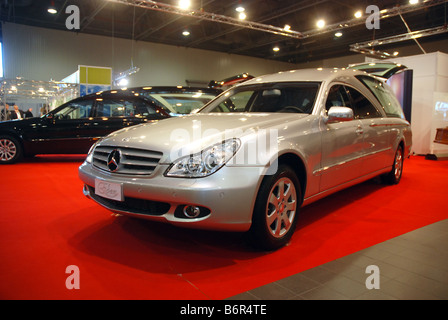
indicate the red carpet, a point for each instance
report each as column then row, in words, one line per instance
column 47, row 225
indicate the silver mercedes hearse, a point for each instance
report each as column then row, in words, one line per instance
column 254, row 155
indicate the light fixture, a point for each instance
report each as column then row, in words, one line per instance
column 358, row 14
column 184, row 4
column 413, row 1
column 186, row 33
column 52, row 9
column 396, row 53
column 240, row 8
column 320, row 23
column 338, row 34
column 276, row 49
column 123, row 82
column 287, row 27
column 242, row 16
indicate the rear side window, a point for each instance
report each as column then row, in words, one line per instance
column 362, row 107
column 385, row 96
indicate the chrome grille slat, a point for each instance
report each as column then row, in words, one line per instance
column 133, row 161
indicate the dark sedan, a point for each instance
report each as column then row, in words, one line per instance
column 73, row 127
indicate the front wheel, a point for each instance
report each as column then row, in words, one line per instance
column 10, row 150
column 276, row 208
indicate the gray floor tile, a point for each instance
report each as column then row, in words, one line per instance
column 413, row 266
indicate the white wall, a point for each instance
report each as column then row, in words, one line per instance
column 45, row 54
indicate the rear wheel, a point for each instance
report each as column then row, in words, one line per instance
column 275, row 213
column 10, row 150
column 394, row 176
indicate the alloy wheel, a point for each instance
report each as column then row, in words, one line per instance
column 281, row 207
column 8, row 150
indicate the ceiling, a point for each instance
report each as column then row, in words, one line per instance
column 109, row 18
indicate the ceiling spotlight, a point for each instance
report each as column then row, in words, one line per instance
column 413, row 1
column 242, row 16
column 52, row 9
column 276, row 49
column 186, row 33
column 358, row 14
column 338, row 34
column 287, row 27
column 320, row 23
column 240, row 8
column 184, row 4
column 396, row 53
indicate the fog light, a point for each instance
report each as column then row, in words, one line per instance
column 191, row 211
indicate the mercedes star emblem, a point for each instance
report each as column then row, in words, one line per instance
column 113, row 160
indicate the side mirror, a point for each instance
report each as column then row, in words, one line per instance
column 339, row 114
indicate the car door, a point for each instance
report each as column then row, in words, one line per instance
column 66, row 130
column 342, row 144
column 375, row 132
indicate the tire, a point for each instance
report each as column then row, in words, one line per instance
column 394, row 175
column 10, row 150
column 275, row 213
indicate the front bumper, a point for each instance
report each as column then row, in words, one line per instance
column 225, row 198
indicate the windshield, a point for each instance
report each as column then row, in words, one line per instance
column 297, row 97
column 182, row 102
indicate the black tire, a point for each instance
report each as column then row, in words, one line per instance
column 10, row 150
column 394, row 175
column 275, row 213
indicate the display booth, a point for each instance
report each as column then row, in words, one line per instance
column 429, row 115
column 39, row 96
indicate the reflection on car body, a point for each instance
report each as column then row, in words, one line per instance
column 254, row 155
column 73, row 127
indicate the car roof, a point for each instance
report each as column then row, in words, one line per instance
column 311, row 75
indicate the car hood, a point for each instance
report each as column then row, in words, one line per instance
column 180, row 136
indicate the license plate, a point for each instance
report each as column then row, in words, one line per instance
column 109, row 190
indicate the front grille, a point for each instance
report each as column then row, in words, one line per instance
column 133, row 205
column 133, row 161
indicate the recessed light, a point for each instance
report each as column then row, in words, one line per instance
column 338, row 34
column 276, row 49
column 186, row 33
column 358, row 14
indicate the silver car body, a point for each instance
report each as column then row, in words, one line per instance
column 326, row 156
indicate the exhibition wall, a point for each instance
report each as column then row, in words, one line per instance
column 44, row 54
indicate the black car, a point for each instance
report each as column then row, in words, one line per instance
column 74, row 126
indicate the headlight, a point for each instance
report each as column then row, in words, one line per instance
column 204, row 163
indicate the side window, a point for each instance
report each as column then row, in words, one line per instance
column 122, row 108
column 75, row 110
column 337, row 97
column 362, row 107
column 385, row 96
